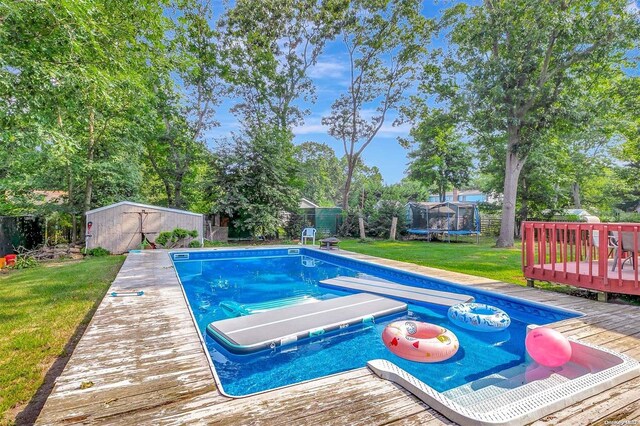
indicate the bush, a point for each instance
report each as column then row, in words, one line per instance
column 97, row 252
column 349, row 226
column 175, row 238
column 195, row 244
column 380, row 221
column 23, row 262
column 294, row 225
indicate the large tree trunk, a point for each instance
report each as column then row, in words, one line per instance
column 575, row 192
column 347, row 184
column 72, row 210
column 90, row 154
column 513, row 167
column 178, row 202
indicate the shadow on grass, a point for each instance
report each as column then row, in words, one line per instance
column 31, row 412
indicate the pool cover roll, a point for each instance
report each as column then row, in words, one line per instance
column 274, row 328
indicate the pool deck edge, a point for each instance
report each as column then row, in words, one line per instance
column 141, row 361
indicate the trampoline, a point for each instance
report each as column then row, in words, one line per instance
column 443, row 219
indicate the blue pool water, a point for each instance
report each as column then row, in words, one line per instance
column 250, row 276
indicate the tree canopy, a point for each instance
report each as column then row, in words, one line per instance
column 104, row 101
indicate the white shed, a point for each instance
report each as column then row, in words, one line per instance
column 122, row 226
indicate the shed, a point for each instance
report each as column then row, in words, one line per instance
column 123, row 226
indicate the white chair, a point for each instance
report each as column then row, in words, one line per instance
column 308, row 233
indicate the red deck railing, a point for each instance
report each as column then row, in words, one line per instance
column 596, row 256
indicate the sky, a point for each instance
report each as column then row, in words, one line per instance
column 330, row 76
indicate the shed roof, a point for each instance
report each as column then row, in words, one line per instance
column 145, row 206
column 435, row 204
column 308, row 204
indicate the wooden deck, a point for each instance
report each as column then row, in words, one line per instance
column 140, row 361
column 582, row 255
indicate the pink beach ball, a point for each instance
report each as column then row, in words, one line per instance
column 548, row 347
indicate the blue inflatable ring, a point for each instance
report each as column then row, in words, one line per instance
column 479, row 317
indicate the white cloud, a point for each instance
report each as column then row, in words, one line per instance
column 311, row 126
column 390, row 131
column 633, row 8
column 332, row 69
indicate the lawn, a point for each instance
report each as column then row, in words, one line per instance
column 40, row 310
column 467, row 257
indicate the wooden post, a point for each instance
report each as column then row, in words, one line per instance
column 394, row 224
column 361, row 223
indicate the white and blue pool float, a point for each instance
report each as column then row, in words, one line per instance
column 479, row 317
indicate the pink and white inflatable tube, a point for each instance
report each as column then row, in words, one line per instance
column 420, row 341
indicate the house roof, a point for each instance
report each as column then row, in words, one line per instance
column 50, row 197
column 144, row 206
column 306, row 204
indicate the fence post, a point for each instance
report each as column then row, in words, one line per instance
column 361, row 223
column 394, row 224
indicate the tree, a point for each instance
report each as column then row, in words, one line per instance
column 176, row 148
column 256, row 181
column 74, row 79
column 320, row 171
column 270, row 46
column 442, row 158
column 519, row 61
column 385, row 43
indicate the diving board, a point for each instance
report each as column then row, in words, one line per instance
column 277, row 327
column 387, row 288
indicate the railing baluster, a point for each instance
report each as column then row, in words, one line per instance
column 635, row 259
column 564, row 258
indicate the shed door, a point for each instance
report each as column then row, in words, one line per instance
column 142, row 224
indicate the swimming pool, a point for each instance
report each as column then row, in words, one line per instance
column 210, row 278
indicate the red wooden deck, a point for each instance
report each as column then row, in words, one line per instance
column 579, row 254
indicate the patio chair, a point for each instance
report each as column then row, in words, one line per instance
column 308, row 233
column 627, row 246
column 612, row 244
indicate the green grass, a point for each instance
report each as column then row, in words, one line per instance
column 467, row 257
column 40, row 310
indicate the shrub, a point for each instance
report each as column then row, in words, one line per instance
column 175, row 238
column 349, row 226
column 195, row 244
column 380, row 221
column 23, row 262
column 294, row 225
column 97, row 252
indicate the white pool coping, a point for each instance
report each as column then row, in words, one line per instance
column 521, row 407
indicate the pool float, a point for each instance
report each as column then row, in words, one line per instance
column 479, row 317
column 420, row 341
column 235, row 309
column 548, row 347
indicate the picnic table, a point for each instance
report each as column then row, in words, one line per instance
column 329, row 243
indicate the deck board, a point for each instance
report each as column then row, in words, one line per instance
column 147, row 365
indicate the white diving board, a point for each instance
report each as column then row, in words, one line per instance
column 387, row 288
column 278, row 327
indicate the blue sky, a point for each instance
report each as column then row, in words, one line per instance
column 330, row 78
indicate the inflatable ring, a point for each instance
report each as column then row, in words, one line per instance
column 420, row 341
column 479, row 317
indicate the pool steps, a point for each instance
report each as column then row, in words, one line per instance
column 517, row 396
